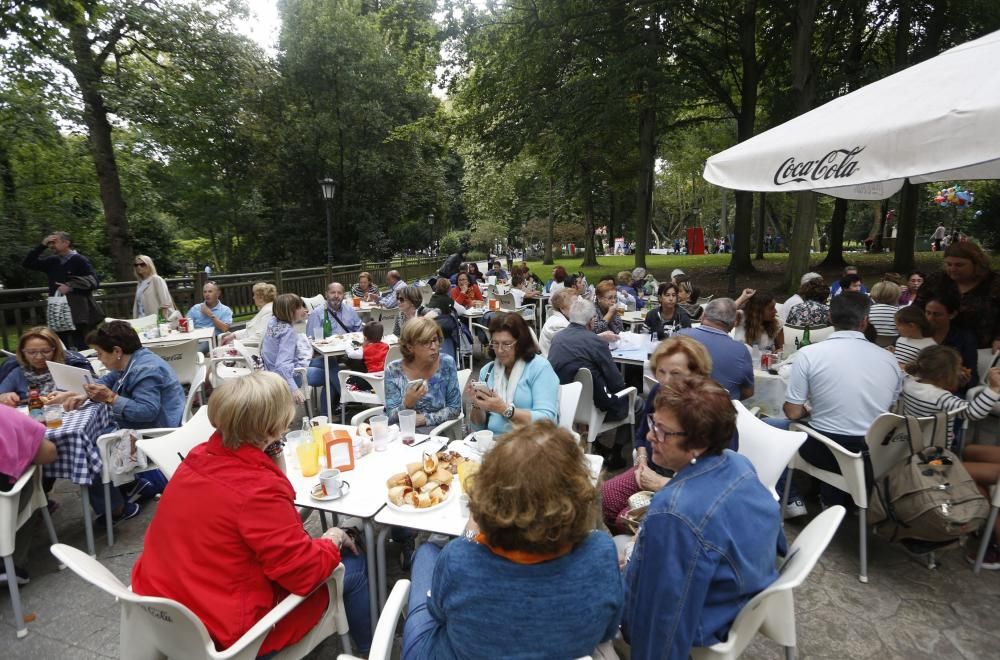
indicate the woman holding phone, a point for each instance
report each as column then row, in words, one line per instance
column 424, row 380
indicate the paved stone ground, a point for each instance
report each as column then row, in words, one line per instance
column 906, row 611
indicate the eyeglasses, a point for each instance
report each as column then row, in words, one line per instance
column 40, row 351
column 139, row 264
column 431, row 342
column 659, row 433
column 498, row 346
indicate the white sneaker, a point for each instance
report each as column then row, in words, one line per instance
column 795, row 508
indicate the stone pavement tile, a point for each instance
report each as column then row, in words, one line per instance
column 971, row 643
column 39, row 647
column 857, row 599
column 916, row 630
column 978, row 612
column 836, row 634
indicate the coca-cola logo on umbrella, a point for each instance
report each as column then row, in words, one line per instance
column 837, row 164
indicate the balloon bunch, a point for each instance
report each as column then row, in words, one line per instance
column 955, row 196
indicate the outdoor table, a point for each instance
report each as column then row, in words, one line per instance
column 78, row 459
column 449, row 518
column 367, row 308
column 367, row 491
column 768, row 393
column 201, row 334
column 336, row 346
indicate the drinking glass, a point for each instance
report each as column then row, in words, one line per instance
column 305, row 451
column 407, row 422
column 380, row 432
column 53, row 414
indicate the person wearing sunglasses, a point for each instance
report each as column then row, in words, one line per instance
column 30, row 370
column 151, row 293
column 520, row 385
column 718, row 524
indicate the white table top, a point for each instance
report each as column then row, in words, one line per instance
column 367, row 479
column 177, row 337
column 338, row 344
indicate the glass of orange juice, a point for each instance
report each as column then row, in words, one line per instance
column 465, row 470
column 308, row 457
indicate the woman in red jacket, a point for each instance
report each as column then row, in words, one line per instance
column 226, row 540
column 465, row 292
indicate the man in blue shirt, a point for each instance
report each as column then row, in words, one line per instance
column 343, row 318
column 731, row 364
column 395, row 282
column 848, row 270
column 211, row 313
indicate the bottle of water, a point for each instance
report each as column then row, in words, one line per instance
column 306, row 426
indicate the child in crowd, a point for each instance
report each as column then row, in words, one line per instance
column 371, row 352
column 914, row 334
column 927, row 390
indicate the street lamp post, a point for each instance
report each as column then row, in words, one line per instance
column 433, row 234
column 329, row 188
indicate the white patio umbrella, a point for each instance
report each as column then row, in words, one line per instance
column 935, row 121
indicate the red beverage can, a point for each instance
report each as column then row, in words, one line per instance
column 765, row 361
column 182, row 323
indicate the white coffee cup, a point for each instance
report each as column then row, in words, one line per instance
column 484, row 440
column 333, row 482
column 320, row 420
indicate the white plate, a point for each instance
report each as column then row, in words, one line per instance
column 409, row 508
column 317, row 492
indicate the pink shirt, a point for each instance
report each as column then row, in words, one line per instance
column 20, row 438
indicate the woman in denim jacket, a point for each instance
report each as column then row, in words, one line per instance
column 718, row 525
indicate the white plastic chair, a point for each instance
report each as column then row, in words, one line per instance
column 988, row 528
column 183, row 357
column 394, row 353
column 385, row 630
column 425, row 293
column 374, row 398
column 153, row 628
column 569, row 399
column 772, row 611
column 768, row 448
column 316, row 301
column 794, row 332
column 167, row 447
column 140, row 324
column 589, row 414
column 12, row 518
column 886, row 448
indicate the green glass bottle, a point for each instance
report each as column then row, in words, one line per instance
column 805, row 338
column 327, row 324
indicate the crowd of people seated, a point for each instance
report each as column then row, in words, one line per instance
column 531, row 563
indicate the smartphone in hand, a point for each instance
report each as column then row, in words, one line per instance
column 414, row 384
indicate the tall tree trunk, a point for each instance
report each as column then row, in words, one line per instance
column 835, row 257
column 906, row 227
column 745, row 122
column 761, row 221
column 587, row 197
column 550, row 229
column 803, row 86
column 644, row 191
column 87, row 73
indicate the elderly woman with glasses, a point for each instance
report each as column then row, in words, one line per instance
column 520, row 386
column 151, row 293
column 717, row 522
column 35, row 348
column 424, row 379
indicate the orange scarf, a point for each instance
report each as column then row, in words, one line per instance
column 523, row 556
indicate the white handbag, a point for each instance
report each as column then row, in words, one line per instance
column 60, row 318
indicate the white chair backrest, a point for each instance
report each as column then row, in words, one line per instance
column 768, row 448
column 148, row 623
column 648, row 383
column 13, row 513
column 506, row 301
column 166, row 450
column 426, row 292
column 183, row 357
column 569, row 399
column 534, row 337
column 889, row 442
column 984, row 361
column 463, row 378
column 315, row 301
column 394, row 353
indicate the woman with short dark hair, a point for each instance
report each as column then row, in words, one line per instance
column 667, row 317
column 812, row 312
column 532, row 578
column 718, row 524
column 523, row 387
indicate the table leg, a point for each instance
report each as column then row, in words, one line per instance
column 372, row 569
column 326, row 386
column 88, row 524
column 383, row 572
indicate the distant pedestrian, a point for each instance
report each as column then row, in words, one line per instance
column 208, row 270
column 72, row 275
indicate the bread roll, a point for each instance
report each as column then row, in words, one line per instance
column 443, row 476
column 364, row 430
column 401, row 479
column 414, row 467
column 418, row 479
column 411, row 498
column 430, row 463
column 424, row 501
column 429, row 486
column 397, row 494
column 439, row 494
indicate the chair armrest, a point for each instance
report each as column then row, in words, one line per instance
column 444, row 427
column 279, row 612
column 831, row 445
column 852, row 466
column 628, row 391
column 18, row 486
column 365, row 415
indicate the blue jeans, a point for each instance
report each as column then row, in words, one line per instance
column 359, row 616
column 419, row 623
column 315, row 378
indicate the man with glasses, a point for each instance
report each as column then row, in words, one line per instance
column 72, row 275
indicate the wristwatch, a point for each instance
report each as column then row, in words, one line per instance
column 507, row 414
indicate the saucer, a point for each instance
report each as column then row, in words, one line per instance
column 317, row 492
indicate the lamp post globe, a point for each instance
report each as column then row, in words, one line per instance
column 329, row 188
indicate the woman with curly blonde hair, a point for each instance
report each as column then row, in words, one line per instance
column 533, row 578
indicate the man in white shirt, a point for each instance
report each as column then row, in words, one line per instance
column 558, row 318
column 848, row 382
